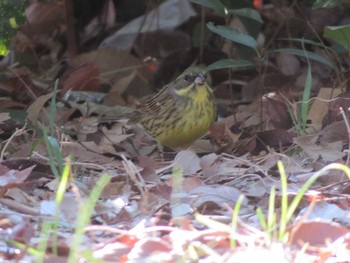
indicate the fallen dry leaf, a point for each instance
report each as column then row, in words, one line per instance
column 84, row 77
column 15, row 176
column 320, row 105
column 36, row 107
column 329, row 152
column 317, row 234
column 188, row 161
column 207, row 195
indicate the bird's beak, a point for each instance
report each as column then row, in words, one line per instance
column 200, row 79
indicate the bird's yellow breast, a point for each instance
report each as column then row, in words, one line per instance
column 194, row 119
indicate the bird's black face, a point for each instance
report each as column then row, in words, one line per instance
column 195, row 75
column 191, row 76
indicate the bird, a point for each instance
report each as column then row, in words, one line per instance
column 181, row 112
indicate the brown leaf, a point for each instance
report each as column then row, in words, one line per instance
column 112, row 64
column 271, row 82
column 15, row 176
column 35, row 108
column 149, row 169
column 320, row 105
column 334, row 132
column 276, row 112
column 277, row 139
column 317, row 234
column 20, row 85
column 114, row 96
column 333, row 114
column 150, row 245
column 220, row 132
column 216, row 168
column 84, row 77
column 162, row 190
column 43, row 18
column 329, row 152
column 205, row 195
column 89, row 153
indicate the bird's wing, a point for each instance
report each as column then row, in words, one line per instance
column 152, row 106
column 158, row 102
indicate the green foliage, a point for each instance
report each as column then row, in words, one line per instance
column 85, row 211
column 274, row 229
column 52, row 145
column 177, row 182
column 326, row 3
column 242, row 40
column 248, row 13
column 50, row 227
column 270, row 226
column 215, row 5
column 234, row 221
column 54, row 153
column 339, row 34
column 307, row 54
column 22, row 246
column 299, row 116
column 229, row 63
column 11, row 17
column 249, row 51
column 18, row 115
column 304, row 109
column 234, row 35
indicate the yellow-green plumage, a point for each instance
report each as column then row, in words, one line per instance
column 181, row 112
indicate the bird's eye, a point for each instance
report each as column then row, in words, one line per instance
column 188, row 77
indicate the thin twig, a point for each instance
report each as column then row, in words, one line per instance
column 346, row 121
column 17, row 132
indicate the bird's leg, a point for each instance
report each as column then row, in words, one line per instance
column 161, row 151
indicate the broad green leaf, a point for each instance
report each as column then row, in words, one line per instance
column 11, row 17
column 340, row 34
column 303, row 41
column 307, row 54
column 247, row 12
column 326, row 4
column 229, row 63
column 233, row 35
column 18, row 115
column 216, row 5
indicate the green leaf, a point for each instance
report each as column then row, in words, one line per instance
column 303, row 41
column 229, row 63
column 216, row 5
column 307, row 54
column 326, row 4
column 17, row 115
column 233, row 35
column 12, row 16
column 247, row 12
column 340, row 34
column 305, row 105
